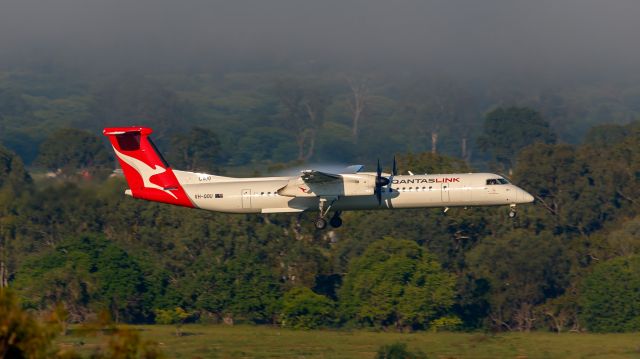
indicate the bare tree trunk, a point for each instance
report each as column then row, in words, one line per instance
column 311, row 132
column 300, row 141
column 357, row 104
column 312, row 145
column 4, row 271
column 434, row 142
column 3, row 275
column 464, row 148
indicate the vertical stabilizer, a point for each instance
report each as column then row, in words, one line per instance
column 147, row 173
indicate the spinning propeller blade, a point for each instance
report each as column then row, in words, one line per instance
column 380, row 182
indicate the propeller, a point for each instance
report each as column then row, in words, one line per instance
column 394, row 172
column 380, row 182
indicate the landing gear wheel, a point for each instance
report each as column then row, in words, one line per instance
column 335, row 222
column 512, row 214
column 320, row 223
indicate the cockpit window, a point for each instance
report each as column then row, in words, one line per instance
column 496, row 181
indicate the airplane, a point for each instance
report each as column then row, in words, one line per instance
column 150, row 177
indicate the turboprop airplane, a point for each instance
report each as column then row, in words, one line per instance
column 150, row 177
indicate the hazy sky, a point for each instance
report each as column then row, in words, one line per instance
column 471, row 38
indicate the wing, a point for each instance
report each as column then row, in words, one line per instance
column 313, row 176
column 354, row 169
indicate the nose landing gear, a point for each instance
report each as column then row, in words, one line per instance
column 320, row 223
column 512, row 211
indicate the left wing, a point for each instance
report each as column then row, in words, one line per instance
column 312, row 183
column 313, row 176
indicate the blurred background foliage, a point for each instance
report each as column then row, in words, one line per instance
column 70, row 238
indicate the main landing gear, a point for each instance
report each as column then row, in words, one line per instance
column 336, row 221
column 323, row 210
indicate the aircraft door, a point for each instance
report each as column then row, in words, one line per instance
column 246, row 198
column 445, row 192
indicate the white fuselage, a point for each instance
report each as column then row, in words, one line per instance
column 261, row 195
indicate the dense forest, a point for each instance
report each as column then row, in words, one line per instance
column 570, row 261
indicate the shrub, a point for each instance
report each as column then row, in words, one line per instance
column 304, row 309
column 398, row 351
column 610, row 299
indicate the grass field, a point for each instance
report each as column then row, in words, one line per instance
column 218, row 341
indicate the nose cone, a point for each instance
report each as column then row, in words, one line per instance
column 524, row 196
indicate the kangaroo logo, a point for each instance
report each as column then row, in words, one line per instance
column 145, row 171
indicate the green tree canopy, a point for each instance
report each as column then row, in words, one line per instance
column 302, row 308
column 508, row 130
column 522, row 269
column 197, row 150
column 610, row 299
column 12, row 171
column 427, row 162
column 240, row 288
column 396, row 283
column 72, row 150
column 83, row 273
column 21, row 335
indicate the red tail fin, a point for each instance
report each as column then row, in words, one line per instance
column 148, row 174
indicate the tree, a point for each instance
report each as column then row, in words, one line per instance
column 14, row 179
column 86, row 274
column 624, row 241
column 357, row 103
column 240, row 288
column 427, row 162
column 551, row 173
column 610, row 296
column 13, row 175
column 606, row 135
column 176, row 316
column 304, row 309
column 198, row 150
column 398, row 351
column 396, row 283
column 508, row 130
column 127, row 344
column 140, row 100
column 522, row 269
column 437, row 112
column 21, row 335
column 74, row 151
column 303, row 109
